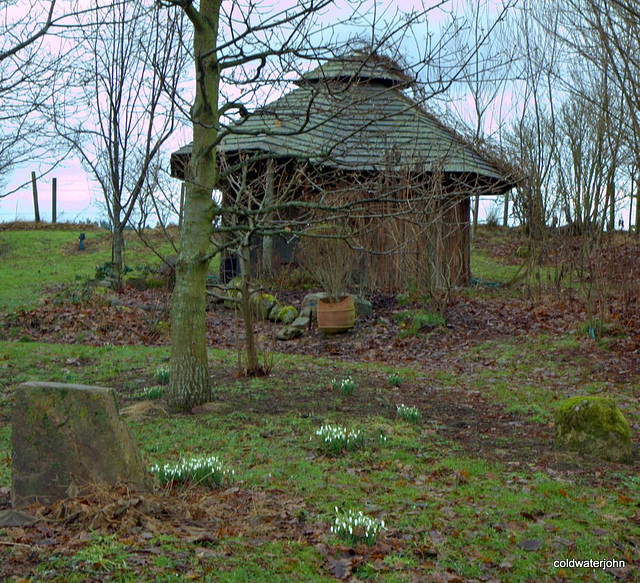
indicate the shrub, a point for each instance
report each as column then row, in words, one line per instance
column 492, row 220
column 325, row 253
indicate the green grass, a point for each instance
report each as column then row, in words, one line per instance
column 490, row 270
column 530, row 375
column 414, row 322
column 467, row 515
column 33, row 260
column 486, row 268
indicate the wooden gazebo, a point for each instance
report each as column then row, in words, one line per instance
column 352, row 122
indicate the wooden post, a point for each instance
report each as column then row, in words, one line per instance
column 505, row 213
column 54, row 196
column 34, row 188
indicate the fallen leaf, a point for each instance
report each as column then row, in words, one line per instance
column 531, row 544
column 565, row 542
column 339, row 568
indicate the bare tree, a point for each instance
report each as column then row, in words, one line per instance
column 532, row 138
column 131, row 65
column 485, row 75
column 599, row 82
column 26, row 70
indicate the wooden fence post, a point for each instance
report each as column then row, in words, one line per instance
column 54, row 195
column 34, row 188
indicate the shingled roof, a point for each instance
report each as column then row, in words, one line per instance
column 350, row 113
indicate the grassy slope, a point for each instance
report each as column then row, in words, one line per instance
column 457, row 515
column 31, row 260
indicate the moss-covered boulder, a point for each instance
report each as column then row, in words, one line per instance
column 593, row 427
column 284, row 314
column 138, row 282
column 66, row 438
column 289, row 333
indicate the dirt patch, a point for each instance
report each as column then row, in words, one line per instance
column 141, row 317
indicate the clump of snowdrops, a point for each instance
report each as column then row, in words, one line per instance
column 355, row 527
column 206, row 470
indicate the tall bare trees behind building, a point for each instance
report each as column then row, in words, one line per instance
column 578, row 131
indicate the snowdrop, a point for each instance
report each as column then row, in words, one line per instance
column 337, row 438
column 356, row 527
column 203, row 470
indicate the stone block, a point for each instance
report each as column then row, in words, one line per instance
column 66, row 437
column 289, row 333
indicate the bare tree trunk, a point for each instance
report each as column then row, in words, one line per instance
column 189, row 384
column 631, row 209
column 253, row 367
column 189, row 378
column 611, row 193
column 117, row 245
column 267, row 240
column 637, row 206
column 505, row 212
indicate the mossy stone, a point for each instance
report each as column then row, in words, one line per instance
column 289, row 333
column 138, row 283
column 66, row 438
column 286, row 314
column 234, row 297
column 593, row 427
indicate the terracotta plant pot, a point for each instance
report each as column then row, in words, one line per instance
column 336, row 317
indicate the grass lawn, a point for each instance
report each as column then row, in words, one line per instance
column 445, row 510
column 32, row 260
